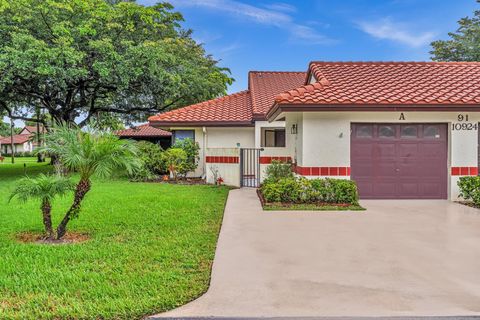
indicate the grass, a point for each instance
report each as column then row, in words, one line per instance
column 310, row 207
column 151, row 249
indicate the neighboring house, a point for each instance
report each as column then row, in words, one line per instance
column 32, row 130
column 21, row 143
column 147, row 133
column 25, row 141
column 403, row 130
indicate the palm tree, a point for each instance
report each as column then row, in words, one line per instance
column 89, row 154
column 45, row 188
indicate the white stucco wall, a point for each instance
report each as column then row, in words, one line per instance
column 215, row 138
column 18, row 148
column 229, row 137
column 323, row 138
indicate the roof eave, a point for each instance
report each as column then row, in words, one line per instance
column 173, row 124
column 277, row 109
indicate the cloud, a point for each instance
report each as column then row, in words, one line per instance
column 274, row 15
column 280, row 6
column 386, row 29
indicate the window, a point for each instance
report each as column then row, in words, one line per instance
column 364, row 131
column 431, row 132
column 183, row 134
column 386, row 132
column 408, row 132
column 273, row 137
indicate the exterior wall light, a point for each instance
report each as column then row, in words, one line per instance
column 293, row 129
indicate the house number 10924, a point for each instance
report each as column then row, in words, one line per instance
column 463, row 123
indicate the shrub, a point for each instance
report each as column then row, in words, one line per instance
column 283, row 190
column 152, row 158
column 303, row 190
column 278, row 170
column 191, row 149
column 176, row 159
column 470, row 189
column 344, row 191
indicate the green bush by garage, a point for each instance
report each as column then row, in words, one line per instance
column 282, row 189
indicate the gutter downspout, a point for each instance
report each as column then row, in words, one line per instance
column 205, row 140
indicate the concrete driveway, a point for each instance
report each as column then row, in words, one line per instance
column 397, row 258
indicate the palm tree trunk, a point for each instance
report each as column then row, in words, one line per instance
column 47, row 218
column 81, row 190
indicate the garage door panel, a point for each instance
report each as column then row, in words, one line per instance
column 407, row 149
column 384, row 188
column 364, row 172
column 362, row 150
column 385, row 170
column 407, row 170
column 365, row 186
column 385, row 150
column 431, row 150
column 410, row 189
column 410, row 164
column 430, row 189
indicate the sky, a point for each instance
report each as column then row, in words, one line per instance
column 286, row 35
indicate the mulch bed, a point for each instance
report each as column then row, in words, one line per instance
column 70, row 237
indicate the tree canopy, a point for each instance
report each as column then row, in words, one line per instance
column 75, row 59
column 464, row 43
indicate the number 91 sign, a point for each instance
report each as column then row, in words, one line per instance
column 463, row 124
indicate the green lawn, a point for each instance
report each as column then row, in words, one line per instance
column 151, row 250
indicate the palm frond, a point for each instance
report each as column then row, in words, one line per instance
column 92, row 152
column 42, row 187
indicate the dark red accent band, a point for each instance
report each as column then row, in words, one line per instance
column 222, row 159
column 323, row 171
column 464, row 171
column 268, row 160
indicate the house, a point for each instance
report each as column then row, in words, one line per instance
column 401, row 130
column 146, row 132
column 32, row 129
column 23, row 142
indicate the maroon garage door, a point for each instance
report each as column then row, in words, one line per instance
column 399, row 161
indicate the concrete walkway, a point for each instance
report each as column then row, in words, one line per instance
column 398, row 258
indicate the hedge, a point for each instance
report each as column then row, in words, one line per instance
column 302, row 190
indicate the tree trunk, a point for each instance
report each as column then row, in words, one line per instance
column 80, row 191
column 47, row 218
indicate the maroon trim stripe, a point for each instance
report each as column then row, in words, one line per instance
column 323, row 171
column 464, row 171
column 222, row 159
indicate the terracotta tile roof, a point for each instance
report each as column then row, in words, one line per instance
column 389, row 83
column 265, row 85
column 234, row 109
column 17, row 139
column 144, row 130
column 239, row 108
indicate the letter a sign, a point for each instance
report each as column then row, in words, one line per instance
column 402, row 116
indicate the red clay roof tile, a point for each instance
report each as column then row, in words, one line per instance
column 144, row 130
column 389, row 83
column 265, row 85
column 234, row 108
column 337, row 83
column 17, row 139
